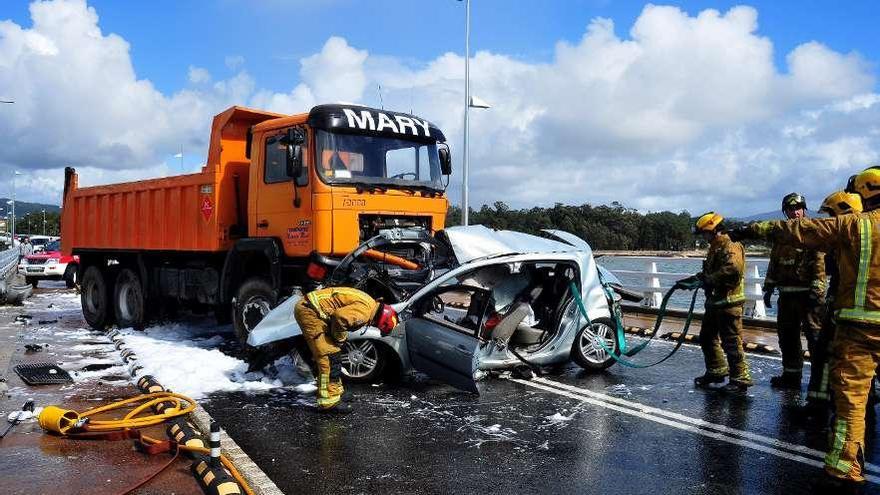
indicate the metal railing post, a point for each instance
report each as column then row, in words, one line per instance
column 652, row 299
column 755, row 308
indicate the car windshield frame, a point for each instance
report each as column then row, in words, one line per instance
column 346, row 158
column 52, row 246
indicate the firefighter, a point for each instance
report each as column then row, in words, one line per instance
column 325, row 317
column 724, row 283
column 799, row 276
column 855, row 240
column 818, row 394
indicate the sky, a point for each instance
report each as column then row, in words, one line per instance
column 691, row 105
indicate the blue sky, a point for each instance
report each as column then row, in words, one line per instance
column 675, row 106
column 167, row 36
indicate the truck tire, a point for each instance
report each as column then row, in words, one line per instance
column 253, row 301
column 95, row 299
column 129, row 304
column 70, row 276
column 32, row 281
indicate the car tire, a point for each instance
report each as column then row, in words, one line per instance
column 32, row 281
column 70, row 276
column 95, row 299
column 587, row 353
column 253, row 301
column 364, row 361
column 129, row 303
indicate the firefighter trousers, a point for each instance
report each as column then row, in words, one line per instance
column 797, row 315
column 855, row 360
column 820, row 357
column 325, row 351
column 721, row 342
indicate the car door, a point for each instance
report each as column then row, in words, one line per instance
column 443, row 334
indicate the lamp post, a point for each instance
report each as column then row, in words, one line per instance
column 44, row 221
column 14, row 174
column 469, row 102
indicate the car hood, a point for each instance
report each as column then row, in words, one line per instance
column 44, row 255
column 477, row 241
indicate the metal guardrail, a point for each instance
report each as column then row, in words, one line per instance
column 656, row 283
column 8, row 262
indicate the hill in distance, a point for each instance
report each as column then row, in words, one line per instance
column 23, row 207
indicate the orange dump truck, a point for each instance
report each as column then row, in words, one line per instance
column 277, row 191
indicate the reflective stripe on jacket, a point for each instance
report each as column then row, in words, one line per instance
column 795, row 269
column 344, row 308
column 724, row 272
column 856, row 243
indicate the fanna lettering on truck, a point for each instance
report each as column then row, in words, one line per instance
column 239, row 235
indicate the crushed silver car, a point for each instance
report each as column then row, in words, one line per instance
column 489, row 300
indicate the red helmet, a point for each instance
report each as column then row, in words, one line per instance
column 386, row 319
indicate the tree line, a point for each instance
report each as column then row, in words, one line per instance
column 610, row 227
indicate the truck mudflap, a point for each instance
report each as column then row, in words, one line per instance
column 279, row 324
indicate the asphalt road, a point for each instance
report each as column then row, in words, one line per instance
column 621, row 431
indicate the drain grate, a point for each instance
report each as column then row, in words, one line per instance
column 42, row 374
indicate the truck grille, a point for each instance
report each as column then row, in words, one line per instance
column 370, row 225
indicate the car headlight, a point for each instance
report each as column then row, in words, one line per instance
column 52, row 260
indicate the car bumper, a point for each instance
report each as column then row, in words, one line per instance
column 43, row 271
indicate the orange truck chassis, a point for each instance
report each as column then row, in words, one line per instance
column 276, row 193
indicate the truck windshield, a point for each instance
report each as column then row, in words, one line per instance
column 360, row 159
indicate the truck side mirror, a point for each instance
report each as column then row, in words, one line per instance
column 296, row 138
column 445, row 159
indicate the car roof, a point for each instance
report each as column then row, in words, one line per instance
column 477, row 241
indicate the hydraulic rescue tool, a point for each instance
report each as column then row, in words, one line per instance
column 692, row 284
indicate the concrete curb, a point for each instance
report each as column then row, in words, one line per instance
column 258, row 481
column 255, row 477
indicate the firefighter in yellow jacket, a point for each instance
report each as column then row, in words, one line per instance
column 724, row 283
column 798, row 274
column 325, row 317
column 818, row 393
column 856, row 350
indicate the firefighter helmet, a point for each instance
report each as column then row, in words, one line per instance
column 708, row 222
column 841, row 203
column 793, row 201
column 386, row 319
column 867, row 183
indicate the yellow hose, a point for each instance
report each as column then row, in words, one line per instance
column 61, row 421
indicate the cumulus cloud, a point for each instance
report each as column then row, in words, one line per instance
column 677, row 112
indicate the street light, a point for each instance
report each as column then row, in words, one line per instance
column 44, row 221
column 469, row 102
column 14, row 174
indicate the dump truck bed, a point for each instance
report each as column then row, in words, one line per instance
column 199, row 212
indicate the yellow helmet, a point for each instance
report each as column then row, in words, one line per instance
column 708, row 222
column 841, row 203
column 867, row 183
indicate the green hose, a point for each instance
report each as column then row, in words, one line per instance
column 618, row 321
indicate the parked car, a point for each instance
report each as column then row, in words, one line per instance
column 38, row 242
column 49, row 265
column 500, row 300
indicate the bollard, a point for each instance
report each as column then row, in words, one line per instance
column 211, row 475
column 214, row 442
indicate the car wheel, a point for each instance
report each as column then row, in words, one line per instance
column 587, row 352
column 128, row 298
column 363, row 361
column 95, row 299
column 70, row 276
column 32, row 281
column 253, row 301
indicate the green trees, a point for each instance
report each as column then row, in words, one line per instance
column 605, row 227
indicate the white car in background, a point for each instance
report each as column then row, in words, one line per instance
column 49, row 264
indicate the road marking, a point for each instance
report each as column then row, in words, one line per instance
column 793, row 452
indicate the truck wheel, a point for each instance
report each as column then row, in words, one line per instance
column 223, row 314
column 128, row 299
column 70, row 276
column 253, row 301
column 94, row 298
column 32, row 281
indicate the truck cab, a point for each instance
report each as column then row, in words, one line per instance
column 327, row 180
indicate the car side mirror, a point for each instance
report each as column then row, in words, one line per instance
column 445, row 159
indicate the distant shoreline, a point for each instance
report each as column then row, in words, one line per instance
column 694, row 253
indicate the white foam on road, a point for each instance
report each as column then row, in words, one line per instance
column 186, row 359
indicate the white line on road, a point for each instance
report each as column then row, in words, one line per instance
column 719, row 432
